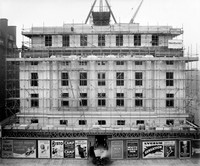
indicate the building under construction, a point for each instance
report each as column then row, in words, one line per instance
column 117, row 85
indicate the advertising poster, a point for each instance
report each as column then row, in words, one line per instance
column 132, row 149
column 24, row 148
column 80, row 148
column 57, row 149
column 185, row 149
column 7, row 148
column 69, row 149
column 169, row 149
column 153, row 149
column 43, row 149
column 116, row 149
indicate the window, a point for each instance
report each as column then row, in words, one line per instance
column 101, row 99
column 170, row 122
column 64, row 79
column 34, row 79
column 101, row 79
column 83, row 100
column 138, row 122
column 66, row 40
column 170, row 100
column 33, row 63
column 138, row 79
column 169, row 79
column 34, row 100
column 119, row 40
column 101, row 40
column 34, row 120
column 138, row 100
column 83, row 79
column 120, row 79
column 121, row 122
column 82, row 122
column 120, row 99
column 137, row 40
column 48, row 40
column 83, row 40
column 101, row 63
column 169, row 62
column 64, row 122
column 83, row 63
column 66, row 63
column 155, row 40
column 65, row 101
column 120, row 63
column 101, row 122
column 138, row 62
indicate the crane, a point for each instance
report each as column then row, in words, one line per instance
column 136, row 12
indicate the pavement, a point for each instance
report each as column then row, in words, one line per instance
column 70, row 162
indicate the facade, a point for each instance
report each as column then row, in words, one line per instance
column 117, row 85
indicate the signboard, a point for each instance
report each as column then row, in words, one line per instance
column 132, row 149
column 69, row 149
column 175, row 44
column 80, row 148
column 7, row 148
column 43, row 149
column 24, row 148
column 116, row 149
column 185, row 149
column 57, row 149
column 159, row 149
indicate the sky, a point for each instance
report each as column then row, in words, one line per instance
column 177, row 13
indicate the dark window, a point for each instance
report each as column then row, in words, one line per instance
column 83, row 99
column 65, row 101
column 101, row 63
column 101, row 79
column 65, row 63
column 33, row 63
column 137, row 40
column 82, row 122
column 48, row 40
column 121, row 122
column 34, row 100
column 169, row 62
column 169, row 79
column 101, row 40
column 138, row 79
column 170, row 100
column 155, row 40
column 34, row 79
column 138, row 62
column 120, row 63
column 83, row 79
column 138, row 100
column 66, row 40
column 101, row 99
column 101, row 122
column 119, row 40
column 120, row 99
column 34, row 120
column 83, row 63
column 64, row 79
column 170, row 122
column 120, row 79
column 64, row 122
column 83, row 40
column 138, row 122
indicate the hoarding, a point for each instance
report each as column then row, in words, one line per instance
column 7, row 148
column 69, row 149
column 185, row 149
column 132, row 149
column 24, row 148
column 57, row 149
column 159, row 149
column 43, row 149
column 80, row 148
column 116, row 149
